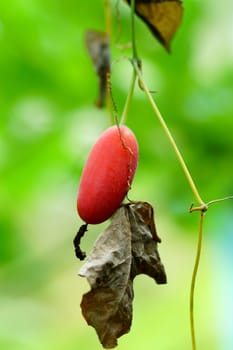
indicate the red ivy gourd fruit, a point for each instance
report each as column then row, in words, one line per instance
column 107, row 175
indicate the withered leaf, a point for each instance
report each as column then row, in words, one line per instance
column 145, row 256
column 97, row 44
column 125, row 249
column 163, row 17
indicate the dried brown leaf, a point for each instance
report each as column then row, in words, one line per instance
column 145, row 256
column 163, row 17
column 97, row 44
column 125, row 249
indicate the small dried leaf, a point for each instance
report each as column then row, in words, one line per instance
column 163, row 17
column 147, row 212
column 125, row 249
column 145, row 255
column 97, row 44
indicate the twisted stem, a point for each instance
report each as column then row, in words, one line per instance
column 193, row 281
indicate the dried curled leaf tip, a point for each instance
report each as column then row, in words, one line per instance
column 146, row 210
column 77, row 240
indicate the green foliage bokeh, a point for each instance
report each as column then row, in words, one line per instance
column 48, row 123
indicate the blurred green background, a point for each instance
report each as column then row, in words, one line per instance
column 48, row 123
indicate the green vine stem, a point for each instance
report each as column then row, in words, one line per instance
column 129, row 98
column 108, row 18
column 134, row 74
column 219, row 200
column 136, row 71
column 193, row 281
column 202, row 205
column 108, row 31
column 134, row 47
